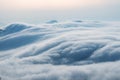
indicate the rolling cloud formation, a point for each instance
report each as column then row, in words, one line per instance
column 74, row 50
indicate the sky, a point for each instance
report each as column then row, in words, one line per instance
column 47, row 4
column 37, row 11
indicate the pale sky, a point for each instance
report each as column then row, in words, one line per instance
column 47, row 4
column 36, row 11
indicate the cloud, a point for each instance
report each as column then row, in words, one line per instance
column 84, row 50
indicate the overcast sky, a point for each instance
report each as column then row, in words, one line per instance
column 37, row 11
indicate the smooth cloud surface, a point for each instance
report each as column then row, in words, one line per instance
column 79, row 50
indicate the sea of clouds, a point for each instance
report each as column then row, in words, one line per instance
column 73, row 50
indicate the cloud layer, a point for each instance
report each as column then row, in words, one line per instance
column 79, row 50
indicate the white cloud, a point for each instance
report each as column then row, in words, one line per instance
column 84, row 50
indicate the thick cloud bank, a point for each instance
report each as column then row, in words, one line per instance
column 76, row 50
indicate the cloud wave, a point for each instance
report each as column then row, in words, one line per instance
column 79, row 50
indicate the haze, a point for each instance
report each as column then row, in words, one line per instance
column 36, row 11
column 46, row 4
